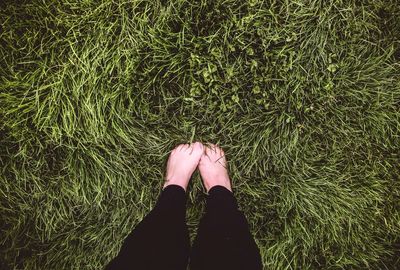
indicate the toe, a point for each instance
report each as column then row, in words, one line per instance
column 222, row 154
column 185, row 146
column 176, row 148
column 205, row 157
column 214, row 148
column 209, row 151
column 198, row 147
column 210, row 146
column 180, row 147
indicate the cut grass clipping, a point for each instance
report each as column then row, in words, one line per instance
column 304, row 96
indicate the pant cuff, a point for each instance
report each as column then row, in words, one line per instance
column 172, row 197
column 221, row 198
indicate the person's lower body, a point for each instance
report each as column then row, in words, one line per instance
column 161, row 240
column 223, row 239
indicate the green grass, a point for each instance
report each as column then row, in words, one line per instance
column 304, row 96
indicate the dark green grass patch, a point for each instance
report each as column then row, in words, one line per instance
column 304, row 96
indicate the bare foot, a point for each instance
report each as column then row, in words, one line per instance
column 213, row 168
column 181, row 164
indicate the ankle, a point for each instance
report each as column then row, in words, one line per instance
column 224, row 183
column 219, row 187
column 171, row 182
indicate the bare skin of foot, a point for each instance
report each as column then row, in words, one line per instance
column 181, row 164
column 213, row 168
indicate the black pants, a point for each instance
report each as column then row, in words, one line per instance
column 161, row 239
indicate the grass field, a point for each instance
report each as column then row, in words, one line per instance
column 303, row 95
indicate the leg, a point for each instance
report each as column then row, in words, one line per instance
column 223, row 239
column 161, row 239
